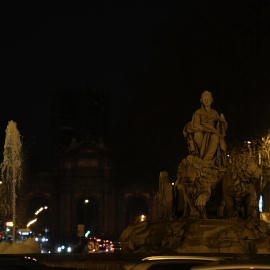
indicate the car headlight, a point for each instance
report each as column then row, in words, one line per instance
column 59, row 249
column 69, row 249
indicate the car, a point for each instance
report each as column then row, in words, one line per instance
column 240, row 264
column 98, row 245
column 116, row 246
column 15, row 262
column 63, row 248
column 171, row 262
column 105, row 246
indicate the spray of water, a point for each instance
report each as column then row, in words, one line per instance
column 11, row 171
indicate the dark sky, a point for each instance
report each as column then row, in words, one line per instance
column 153, row 57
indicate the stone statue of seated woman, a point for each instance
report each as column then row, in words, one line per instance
column 205, row 133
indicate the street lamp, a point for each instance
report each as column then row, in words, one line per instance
column 86, row 201
column 36, row 213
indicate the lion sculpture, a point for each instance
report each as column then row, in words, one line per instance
column 239, row 186
column 196, row 179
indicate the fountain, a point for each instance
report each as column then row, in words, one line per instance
column 212, row 206
column 11, row 171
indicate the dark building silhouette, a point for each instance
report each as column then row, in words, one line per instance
column 77, row 114
column 80, row 190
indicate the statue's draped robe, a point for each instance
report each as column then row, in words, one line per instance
column 208, row 123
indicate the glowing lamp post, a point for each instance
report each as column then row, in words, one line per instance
column 86, row 201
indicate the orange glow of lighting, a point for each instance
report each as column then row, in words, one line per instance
column 142, row 218
column 31, row 222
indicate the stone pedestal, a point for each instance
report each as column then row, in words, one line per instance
column 198, row 236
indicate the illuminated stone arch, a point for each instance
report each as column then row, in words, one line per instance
column 135, row 207
column 87, row 214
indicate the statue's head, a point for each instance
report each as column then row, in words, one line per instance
column 207, row 95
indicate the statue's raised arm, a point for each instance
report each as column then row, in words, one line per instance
column 205, row 133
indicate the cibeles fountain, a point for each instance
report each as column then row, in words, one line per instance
column 211, row 207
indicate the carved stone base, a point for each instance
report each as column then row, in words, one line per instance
column 198, row 236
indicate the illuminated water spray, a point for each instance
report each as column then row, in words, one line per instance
column 11, row 169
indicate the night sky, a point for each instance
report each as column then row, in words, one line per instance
column 154, row 58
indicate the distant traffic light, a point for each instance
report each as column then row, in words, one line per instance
column 9, row 224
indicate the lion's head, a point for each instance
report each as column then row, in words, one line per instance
column 189, row 170
column 253, row 170
column 244, row 167
column 244, row 171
